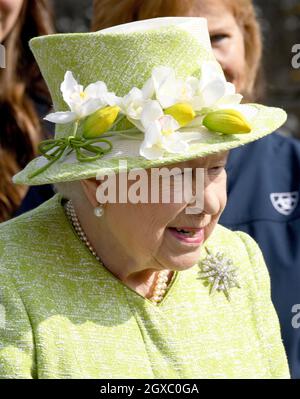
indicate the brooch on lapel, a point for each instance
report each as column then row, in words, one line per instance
column 219, row 273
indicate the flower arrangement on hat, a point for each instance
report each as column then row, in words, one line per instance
column 161, row 111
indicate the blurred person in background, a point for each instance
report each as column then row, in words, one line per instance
column 268, row 209
column 23, row 99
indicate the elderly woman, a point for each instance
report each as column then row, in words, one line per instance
column 104, row 281
column 272, row 163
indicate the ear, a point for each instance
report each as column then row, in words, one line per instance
column 89, row 187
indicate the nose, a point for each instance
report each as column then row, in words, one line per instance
column 220, row 56
column 217, row 54
column 222, row 60
column 211, row 205
column 211, row 202
column 206, row 198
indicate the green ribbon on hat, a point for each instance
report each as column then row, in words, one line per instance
column 74, row 143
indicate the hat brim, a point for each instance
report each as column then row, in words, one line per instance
column 266, row 121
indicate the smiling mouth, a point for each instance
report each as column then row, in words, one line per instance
column 186, row 232
column 189, row 236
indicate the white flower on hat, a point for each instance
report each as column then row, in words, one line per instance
column 160, row 133
column 209, row 93
column 132, row 104
column 213, row 90
column 214, row 93
column 82, row 102
column 169, row 90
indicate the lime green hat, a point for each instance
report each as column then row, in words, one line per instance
column 150, row 93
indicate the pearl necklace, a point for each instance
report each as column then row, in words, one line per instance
column 160, row 285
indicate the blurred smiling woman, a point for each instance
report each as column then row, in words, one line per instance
column 233, row 29
column 23, row 96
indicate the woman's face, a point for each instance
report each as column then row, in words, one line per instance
column 9, row 12
column 227, row 41
column 147, row 232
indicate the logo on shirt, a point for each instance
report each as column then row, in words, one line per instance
column 296, row 318
column 285, row 203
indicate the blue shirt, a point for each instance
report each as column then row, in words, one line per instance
column 263, row 201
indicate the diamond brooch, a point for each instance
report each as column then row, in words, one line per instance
column 219, row 272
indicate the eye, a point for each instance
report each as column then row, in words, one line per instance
column 216, row 170
column 217, row 38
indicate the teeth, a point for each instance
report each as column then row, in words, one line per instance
column 187, row 233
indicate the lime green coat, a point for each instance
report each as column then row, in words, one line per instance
column 63, row 315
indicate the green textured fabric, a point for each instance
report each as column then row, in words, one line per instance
column 66, row 316
column 122, row 61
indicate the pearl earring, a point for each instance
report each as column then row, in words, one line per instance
column 99, row 211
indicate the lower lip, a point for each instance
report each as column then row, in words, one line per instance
column 197, row 238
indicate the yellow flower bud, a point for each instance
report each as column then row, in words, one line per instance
column 100, row 122
column 183, row 113
column 227, row 121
